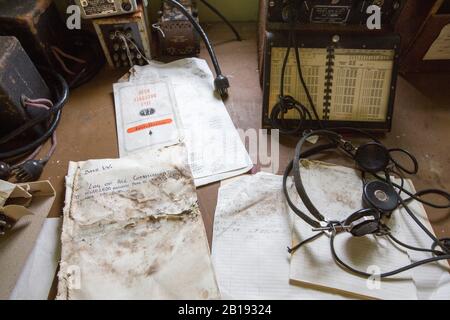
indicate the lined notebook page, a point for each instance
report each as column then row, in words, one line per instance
column 252, row 230
column 336, row 191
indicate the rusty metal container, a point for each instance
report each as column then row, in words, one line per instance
column 18, row 78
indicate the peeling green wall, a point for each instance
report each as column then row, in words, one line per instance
column 234, row 10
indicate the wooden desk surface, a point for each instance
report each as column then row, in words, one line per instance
column 421, row 123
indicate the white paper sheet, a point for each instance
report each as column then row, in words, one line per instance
column 252, row 230
column 216, row 151
column 38, row 274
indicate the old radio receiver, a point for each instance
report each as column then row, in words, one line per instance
column 352, row 12
column 351, row 79
column 104, row 8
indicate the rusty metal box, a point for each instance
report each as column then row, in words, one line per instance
column 18, row 78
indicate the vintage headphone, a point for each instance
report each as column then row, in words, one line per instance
column 380, row 197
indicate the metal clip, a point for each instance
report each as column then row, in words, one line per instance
column 335, row 226
column 158, row 27
column 347, row 145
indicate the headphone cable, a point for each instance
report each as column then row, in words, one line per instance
column 341, row 263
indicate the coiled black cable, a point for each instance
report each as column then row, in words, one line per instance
column 60, row 95
column 287, row 103
column 284, row 105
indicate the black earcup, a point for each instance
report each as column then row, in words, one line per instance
column 363, row 222
column 372, row 157
column 381, row 196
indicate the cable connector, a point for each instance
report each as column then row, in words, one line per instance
column 5, row 171
column 221, row 85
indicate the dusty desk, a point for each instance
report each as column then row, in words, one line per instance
column 88, row 129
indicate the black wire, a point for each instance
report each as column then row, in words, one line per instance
column 416, row 196
column 61, row 100
column 356, row 130
column 221, row 16
column 435, row 252
column 402, row 184
column 277, row 116
column 60, row 94
column 283, row 68
column 200, row 31
column 383, row 275
column 287, row 103
column 416, row 220
column 401, row 167
column 301, row 244
column 302, row 80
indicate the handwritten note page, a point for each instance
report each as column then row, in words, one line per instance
column 252, row 230
column 215, row 149
column 132, row 230
column 337, row 192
